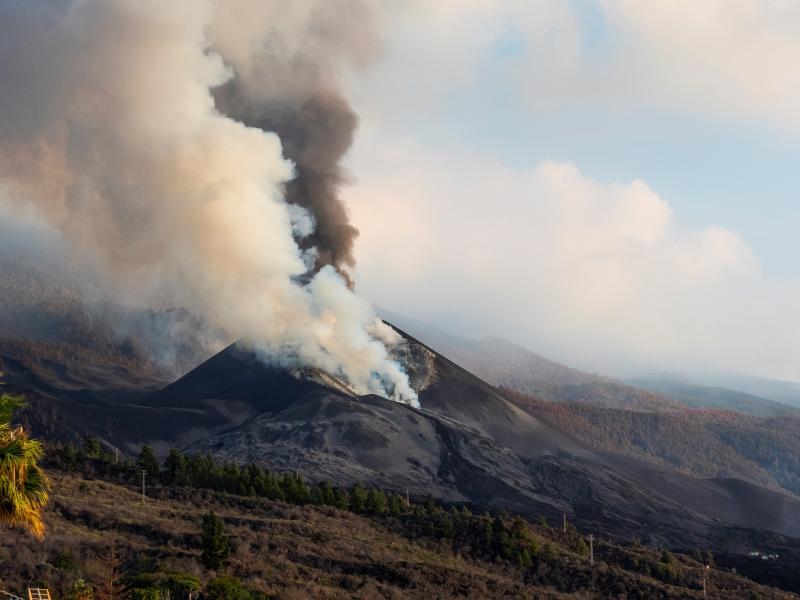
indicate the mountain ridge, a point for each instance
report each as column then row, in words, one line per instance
column 468, row 442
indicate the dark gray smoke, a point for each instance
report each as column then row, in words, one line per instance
column 288, row 79
column 316, row 133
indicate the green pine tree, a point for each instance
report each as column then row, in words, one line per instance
column 524, row 559
column 92, row 447
column 358, row 498
column 396, row 504
column 328, row 493
column 376, row 502
column 176, row 467
column 488, row 537
column 502, row 541
column 147, row 462
column 214, row 543
column 342, row 500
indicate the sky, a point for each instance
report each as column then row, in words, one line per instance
column 611, row 183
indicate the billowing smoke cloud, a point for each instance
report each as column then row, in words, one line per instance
column 315, row 133
column 109, row 131
column 289, row 85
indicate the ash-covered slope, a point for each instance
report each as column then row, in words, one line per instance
column 467, row 443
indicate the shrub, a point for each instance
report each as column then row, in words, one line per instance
column 226, row 588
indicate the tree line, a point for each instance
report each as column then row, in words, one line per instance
column 500, row 537
column 539, row 551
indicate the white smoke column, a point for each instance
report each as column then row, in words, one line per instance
column 108, row 130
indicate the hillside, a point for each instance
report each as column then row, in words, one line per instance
column 468, row 443
column 701, row 431
column 45, row 300
column 508, row 365
column 100, row 532
column 503, row 363
column 785, row 392
column 702, row 443
column 701, row 396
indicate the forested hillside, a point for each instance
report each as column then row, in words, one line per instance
column 700, row 442
column 245, row 533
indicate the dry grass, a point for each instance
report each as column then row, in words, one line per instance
column 284, row 551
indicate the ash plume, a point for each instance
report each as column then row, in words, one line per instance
column 290, row 86
column 111, row 133
column 316, row 132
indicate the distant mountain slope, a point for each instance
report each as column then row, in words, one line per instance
column 786, row 392
column 675, row 439
column 72, row 392
column 703, row 443
column 506, row 364
column 612, row 416
column 699, row 396
column 46, row 300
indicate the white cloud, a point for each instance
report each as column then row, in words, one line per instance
column 723, row 58
column 596, row 273
column 735, row 57
column 433, row 49
column 593, row 272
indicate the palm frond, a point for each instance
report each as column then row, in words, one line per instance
column 24, row 487
column 9, row 403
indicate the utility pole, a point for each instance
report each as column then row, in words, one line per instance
column 116, row 455
column 144, row 474
column 408, row 499
column 704, row 580
column 591, row 549
column 565, row 522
